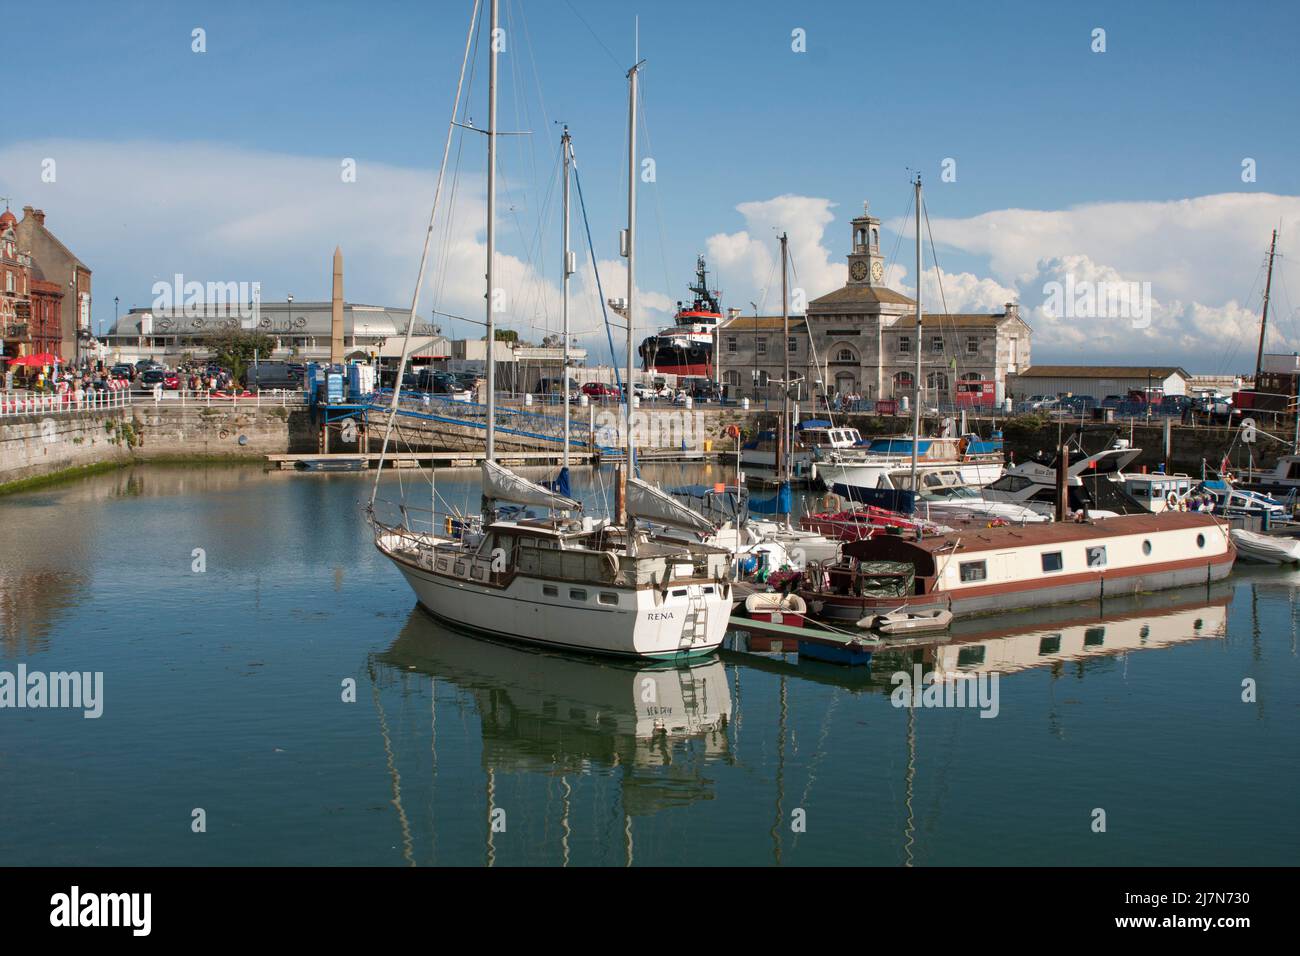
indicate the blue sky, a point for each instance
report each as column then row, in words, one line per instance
column 1034, row 119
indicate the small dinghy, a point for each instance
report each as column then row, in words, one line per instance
column 774, row 607
column 1265, row 548
column 908, row 622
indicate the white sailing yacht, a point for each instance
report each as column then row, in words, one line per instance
column 564, row 581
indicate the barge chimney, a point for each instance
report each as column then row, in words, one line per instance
column 1062, row 485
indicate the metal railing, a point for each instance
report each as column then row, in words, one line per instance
column 217, row 398
column 16, row 404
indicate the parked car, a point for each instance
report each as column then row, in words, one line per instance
column 270, row 375
column 152, row 376
column 172, row 380
column 1112, row 401
column 555, row 386
column 600, row 391
column 122, row 371
column 645, row 392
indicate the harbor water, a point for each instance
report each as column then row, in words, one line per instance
column 271, row 694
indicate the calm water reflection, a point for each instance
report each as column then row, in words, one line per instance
column 224, row 690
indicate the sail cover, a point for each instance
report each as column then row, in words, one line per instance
column 502, row 484
column 646, row 501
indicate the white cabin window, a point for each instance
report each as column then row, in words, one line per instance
column 974, row 571
column 1200, row 540
column 1052, row 561
column 1051, row 644
column 1146, row 547
column 550, row 590
column 1097, row 556
column 577, row 594
column 608, row 597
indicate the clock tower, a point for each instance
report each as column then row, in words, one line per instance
column 866, row 264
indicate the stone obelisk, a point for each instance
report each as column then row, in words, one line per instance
column 336, row 311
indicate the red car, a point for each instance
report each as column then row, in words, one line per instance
column 172, row 380
column 599, row 390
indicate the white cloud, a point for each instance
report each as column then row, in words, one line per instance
column 750, row 259
column 142, row 211
column 1201, row 256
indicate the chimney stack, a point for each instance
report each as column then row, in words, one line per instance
column 336, row 311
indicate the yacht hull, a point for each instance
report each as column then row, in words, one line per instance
column 644, row 623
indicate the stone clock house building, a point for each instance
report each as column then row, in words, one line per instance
column 861, row 339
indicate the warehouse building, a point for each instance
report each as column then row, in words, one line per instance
column 1098, row 381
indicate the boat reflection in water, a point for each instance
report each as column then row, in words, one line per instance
column 652, row 726
column 1049, row 637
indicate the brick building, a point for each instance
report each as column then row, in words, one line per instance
column 15, row 298
column 65, row 279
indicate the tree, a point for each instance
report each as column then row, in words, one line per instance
column 234, row 349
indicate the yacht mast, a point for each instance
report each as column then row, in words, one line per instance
column 491, row 235
column 916, row 404
column 566, row 148
column 629, row 249
column 1263, row 321
column 786, row 428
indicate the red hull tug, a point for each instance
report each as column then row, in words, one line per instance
column 686, row 347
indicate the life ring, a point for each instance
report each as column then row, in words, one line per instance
column 1171, row 500
column 733, row 431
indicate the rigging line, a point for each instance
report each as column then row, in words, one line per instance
column 945, row 319
column 1247, row 303
column 659, row 209
column 595, row 36
column 424, row 258
column 591, row 248
column 898, row 236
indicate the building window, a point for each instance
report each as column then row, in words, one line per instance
column 936, row 344
column 937, row 382
column 972, row 345
column 793, row 344
column 904, row 343
column 731, row 377
column 731, row 343
column 844, row 355
column 903, row 380
column 974, row 571
column 762, row 379
column 761, row 346
column 1052, row 561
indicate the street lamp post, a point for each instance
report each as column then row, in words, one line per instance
column 288, row 321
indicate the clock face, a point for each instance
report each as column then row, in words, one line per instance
column 877, row 271
column 858, row 270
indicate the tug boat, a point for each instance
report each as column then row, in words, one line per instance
column 686, row 346
column 996, row 569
